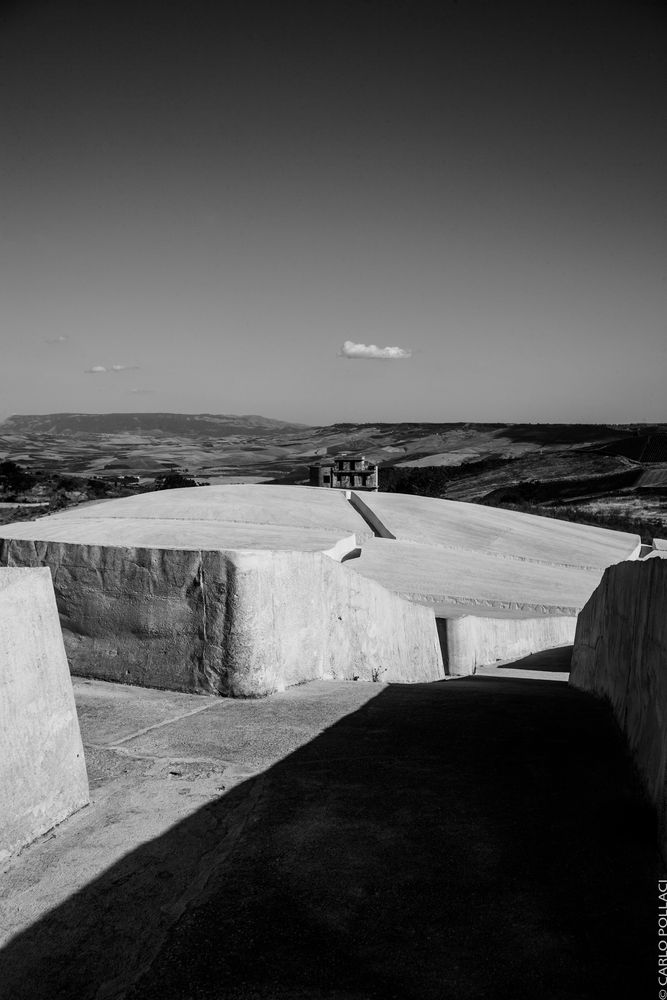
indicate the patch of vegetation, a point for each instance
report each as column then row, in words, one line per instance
column 14, row 479
column 433, row 480
column 174, row 479
column 536, row 491
column 47, row 491
column 298, row 476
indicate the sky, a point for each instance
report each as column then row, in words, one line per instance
column 361, row 210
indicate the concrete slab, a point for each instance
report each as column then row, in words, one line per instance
column 659, row 549
column 394, row 841
column 232, row 623
column 471, row 641
column 447, row 579
column 520, row 579
column 493, row 531
column 110, row 714
column 212, row 589
column 212, row 517
column 167, row 533
column 42, row 770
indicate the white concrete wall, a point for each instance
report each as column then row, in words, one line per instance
column 470, row 641
column 240, row 623
column 659, row 549
column 620, row 653
column 42, row 771
column 302, row 616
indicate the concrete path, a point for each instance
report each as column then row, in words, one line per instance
column 476, row 838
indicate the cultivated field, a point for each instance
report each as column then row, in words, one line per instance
column 604, row 473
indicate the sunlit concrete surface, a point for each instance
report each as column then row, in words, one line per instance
column 343, row 841
column 453, row 580
column 290, row 518
column 659, row 549
column 172, row 533
column 501, row 583
column 493, row 531
column 42, row 771
column 244, row 590
column 232, row 590
column 468, row 641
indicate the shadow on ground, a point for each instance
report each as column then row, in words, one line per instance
column 556, row 660
column 466, row 839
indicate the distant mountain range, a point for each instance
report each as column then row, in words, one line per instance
column 179, row 424
column 220, row 446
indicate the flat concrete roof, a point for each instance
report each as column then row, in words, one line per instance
column 458, row 581
column 451, row 524
column 462, row 558
column 458, row 558
column 243, row 516
column 161, row 533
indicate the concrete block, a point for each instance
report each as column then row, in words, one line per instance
column 232, row 623
column 473, row 641
column 659, row 549
column 450, row 524
column 232, row 589
column 42, row 770
column 620, row 653
column 304, row 617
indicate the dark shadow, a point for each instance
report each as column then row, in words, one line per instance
column 556, row 660
column 564, row 434
column 465, row 839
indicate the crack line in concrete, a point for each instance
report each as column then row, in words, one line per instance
column 157, row 725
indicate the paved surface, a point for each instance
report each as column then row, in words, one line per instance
column 478, row 837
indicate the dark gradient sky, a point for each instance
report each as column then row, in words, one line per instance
column 218, row 196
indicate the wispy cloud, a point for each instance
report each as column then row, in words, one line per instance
column 112, row 370
column 141, row 392
column 371, row 352
column 56, row 340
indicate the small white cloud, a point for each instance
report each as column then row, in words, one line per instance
column 371, row 352
column 141, row 392
column 113, row 370
column 56, row 340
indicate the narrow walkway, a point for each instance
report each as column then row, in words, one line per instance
column 475, row 838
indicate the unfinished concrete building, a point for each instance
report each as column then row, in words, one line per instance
column 345, row 472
